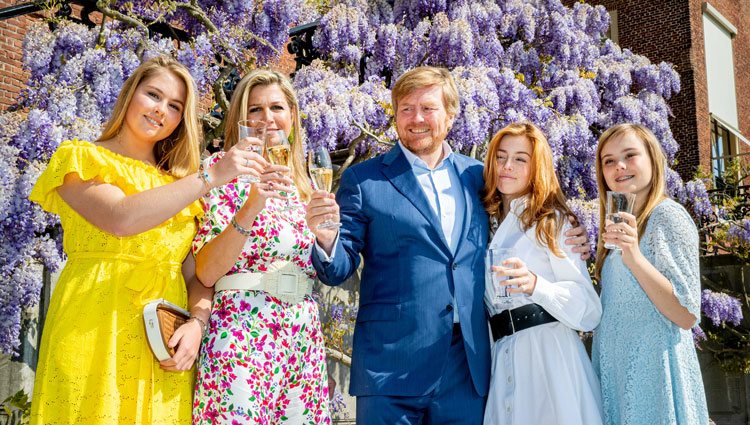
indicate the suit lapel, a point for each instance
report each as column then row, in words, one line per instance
column 398, row 171
column 466, row 187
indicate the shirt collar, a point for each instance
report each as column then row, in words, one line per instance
column 518, row 205
column 417, row 162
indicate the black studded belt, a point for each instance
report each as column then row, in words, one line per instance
column 509, row 322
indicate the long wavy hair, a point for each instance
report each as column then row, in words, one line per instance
column 656, row 193
column 238, row 111
column 179, row 153
column 546, row 206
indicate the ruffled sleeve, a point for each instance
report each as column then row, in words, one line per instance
column 95, row 162
column 673, row 239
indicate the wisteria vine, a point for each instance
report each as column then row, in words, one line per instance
column 512, row 59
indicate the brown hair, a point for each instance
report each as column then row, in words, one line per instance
column 656, row 193
column 425, row 76
column 546, row 207
column 238, row 111
column 179, row 153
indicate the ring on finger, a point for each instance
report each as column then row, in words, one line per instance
column 247, row 162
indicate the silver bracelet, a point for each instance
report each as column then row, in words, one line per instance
column 200, row 321
column 242, row 230
column 204, row 176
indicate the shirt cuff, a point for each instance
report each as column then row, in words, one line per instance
column 543, row 291
column 324, row 257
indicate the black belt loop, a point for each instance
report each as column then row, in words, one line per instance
column 508, row 322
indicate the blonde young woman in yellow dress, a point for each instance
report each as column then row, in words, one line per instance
column 128, row 207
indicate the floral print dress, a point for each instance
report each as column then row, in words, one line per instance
column 262, row 360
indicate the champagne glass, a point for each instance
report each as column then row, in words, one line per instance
column 617, row 202
column 495, row 257
column 279, row 153
column 321, row 173
column 251, row 128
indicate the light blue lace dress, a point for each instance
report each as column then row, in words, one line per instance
column 647, row 365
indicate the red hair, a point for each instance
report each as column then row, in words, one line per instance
column 546, row 206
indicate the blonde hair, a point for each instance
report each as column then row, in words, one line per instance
column 656, row 193
column 238, row 111
column 179, row 153
column 547, row 205
column 425, row 76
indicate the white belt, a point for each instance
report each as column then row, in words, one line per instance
column 287, row 283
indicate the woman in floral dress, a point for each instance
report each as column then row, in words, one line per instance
column 263, row 359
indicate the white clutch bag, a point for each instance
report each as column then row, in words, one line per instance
column 162, row 318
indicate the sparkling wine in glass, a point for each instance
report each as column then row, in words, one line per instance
column 321, row 173
column 279, row 153
column 251, row 128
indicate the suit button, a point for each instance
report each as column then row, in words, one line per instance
column 449, row 307
column 455, row 266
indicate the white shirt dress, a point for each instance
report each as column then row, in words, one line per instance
column 542, row 375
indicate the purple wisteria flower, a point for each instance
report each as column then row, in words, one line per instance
column 698, row 336
column 721, row 308
column 587, row 213
column 513, row 60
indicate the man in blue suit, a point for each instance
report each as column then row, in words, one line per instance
column 421, row 351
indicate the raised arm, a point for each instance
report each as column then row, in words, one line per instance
column 219, row 254
column 672, row 282
column 350, row 240
column 107, row 207
column 568, row 294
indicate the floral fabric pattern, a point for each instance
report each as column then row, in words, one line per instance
column 276, row 234
column 262, row 360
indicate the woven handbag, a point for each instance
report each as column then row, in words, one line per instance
column 162, row 319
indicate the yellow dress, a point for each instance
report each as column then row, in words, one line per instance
column 95, row 366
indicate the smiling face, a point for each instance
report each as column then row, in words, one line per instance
column 269, row 104
column 422, row 121
column 513, row 166
column 156, row 108
column 626, row 165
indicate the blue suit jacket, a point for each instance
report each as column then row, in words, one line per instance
column 405, row 320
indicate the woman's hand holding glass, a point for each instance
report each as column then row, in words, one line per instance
column 624, row 236
column 255, row 132
column 515, row 276
column 241, row 159
column 273, row 182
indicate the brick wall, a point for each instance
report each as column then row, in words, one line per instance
column 738, row 14
column 661, row 31
column 12, row 76
column 672, row 31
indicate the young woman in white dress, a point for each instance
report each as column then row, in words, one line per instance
column 541, row 373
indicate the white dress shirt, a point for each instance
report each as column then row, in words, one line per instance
column 444, row 191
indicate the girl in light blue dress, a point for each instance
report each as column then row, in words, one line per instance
column 643, row 348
